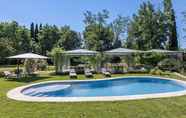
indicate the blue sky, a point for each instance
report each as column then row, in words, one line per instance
column 70, row 12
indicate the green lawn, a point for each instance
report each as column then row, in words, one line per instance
column 7, row 67
column 153, row 108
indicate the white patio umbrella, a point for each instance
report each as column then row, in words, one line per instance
column 167, row 52
column 121, row 51
column 26, row 56
column 80, row 52
column 162, row 51
column 178, row 54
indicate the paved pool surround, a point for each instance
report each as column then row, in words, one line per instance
column 16, row 94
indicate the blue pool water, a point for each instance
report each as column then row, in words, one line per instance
column 115, row 87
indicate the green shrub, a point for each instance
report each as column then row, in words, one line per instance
column 1, row 74
column 156, row 71
column 170, row 65
column 167, row 73
column 152, row 59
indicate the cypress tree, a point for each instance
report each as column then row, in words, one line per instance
column 40, row 26
column 170, row 25
column 174, row 41
column 36, row 33
column 32, row 31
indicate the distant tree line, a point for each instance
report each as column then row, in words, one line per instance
column 149, row 28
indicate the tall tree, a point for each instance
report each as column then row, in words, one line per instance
column 170, row 23
column 146, row 30
column 119, row 27
column 7, row 49
column 184, row 29
column 98, row 38
column 24, row 40
column 32, row 35
column 69, row 39
column 36, row 33
column 14, row 39
column 40, row 26
column 97, row 34
column 48, row 37
column 32, row 30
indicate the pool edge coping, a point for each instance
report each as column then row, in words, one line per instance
column 16, row 94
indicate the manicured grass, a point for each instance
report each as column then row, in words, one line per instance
column 153, row 108
column 7, row 67
column 13, row 67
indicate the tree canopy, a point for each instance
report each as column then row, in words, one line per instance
column 153, row 29
column 100, row 35
column 69, row 39
column 146, row 30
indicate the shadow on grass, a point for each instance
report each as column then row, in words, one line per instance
column 27, row 79
column 54, row 74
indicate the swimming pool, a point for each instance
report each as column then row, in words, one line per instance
column 123, row 88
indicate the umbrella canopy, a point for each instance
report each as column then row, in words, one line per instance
column 28, row 56
column 121, row 51
column 80, row 52
column 162, row 51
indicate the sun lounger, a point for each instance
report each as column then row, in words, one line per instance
column 8, row 75
column 72, row 73
column 106, row 73
column 136, row 69
column 88, row 73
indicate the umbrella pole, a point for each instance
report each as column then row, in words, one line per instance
column 18, row 72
